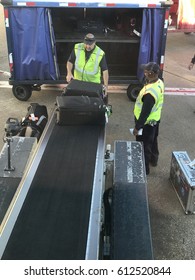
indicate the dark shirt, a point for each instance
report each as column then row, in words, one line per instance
column 103, row 63
column 148, row 103
column 193, row 60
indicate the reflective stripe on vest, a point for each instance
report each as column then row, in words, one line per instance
column 157, row 91
column 90, row 70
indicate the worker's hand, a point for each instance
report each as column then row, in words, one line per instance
column 135, row 132
column 191, row 65
column 105, row 93
column 69, row 77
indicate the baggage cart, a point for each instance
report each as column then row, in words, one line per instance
column 41, row 35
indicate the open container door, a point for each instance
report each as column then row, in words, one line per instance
column 33, row 47
column 152, row 45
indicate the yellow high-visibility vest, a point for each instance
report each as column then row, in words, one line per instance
column 157, row 91
column 88, row 70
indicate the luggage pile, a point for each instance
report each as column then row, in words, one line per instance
column 82, row 103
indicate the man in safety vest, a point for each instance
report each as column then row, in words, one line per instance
column 147, row 112
column 89, row 63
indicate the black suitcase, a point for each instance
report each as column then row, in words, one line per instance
column 79, row 88
column 80, row 110
column 35, row 119
column 91, row 26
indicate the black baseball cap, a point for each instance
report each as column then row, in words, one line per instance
column 151, row 66
column 89, row 39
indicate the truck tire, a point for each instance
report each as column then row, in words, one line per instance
column 21, row 92
column 133, row 91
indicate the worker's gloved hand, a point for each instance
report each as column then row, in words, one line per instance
column 104, row 90
column 69, row 77
column 105, row 95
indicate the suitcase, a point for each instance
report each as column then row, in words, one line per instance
column 79, row 88
column 34, row 121
column 182, row 177
column 91, row 26
column 80, row 110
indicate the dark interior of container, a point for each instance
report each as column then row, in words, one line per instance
column 113, row 29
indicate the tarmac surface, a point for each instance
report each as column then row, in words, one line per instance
column 173, row 232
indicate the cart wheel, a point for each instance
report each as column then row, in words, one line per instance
column 23, row 93
column 133, row 91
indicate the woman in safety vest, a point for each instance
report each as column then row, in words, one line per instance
column 147, row 112
column 89, row 63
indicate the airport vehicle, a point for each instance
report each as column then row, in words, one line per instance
column 41, row 35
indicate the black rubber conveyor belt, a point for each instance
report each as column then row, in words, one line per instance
column 53, row 221
column 131, row 233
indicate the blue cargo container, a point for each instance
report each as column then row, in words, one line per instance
column 41, row 35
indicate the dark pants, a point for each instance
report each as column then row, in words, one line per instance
column 150, row 143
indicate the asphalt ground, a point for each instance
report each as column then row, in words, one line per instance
column 172, row 230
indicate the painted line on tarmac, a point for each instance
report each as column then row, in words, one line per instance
column 114, row 88
column 4, row 84
column 5, row 73
column 180, row 91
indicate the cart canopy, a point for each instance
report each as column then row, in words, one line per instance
column 90, row 3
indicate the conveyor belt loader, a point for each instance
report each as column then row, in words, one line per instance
column 58, row 210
